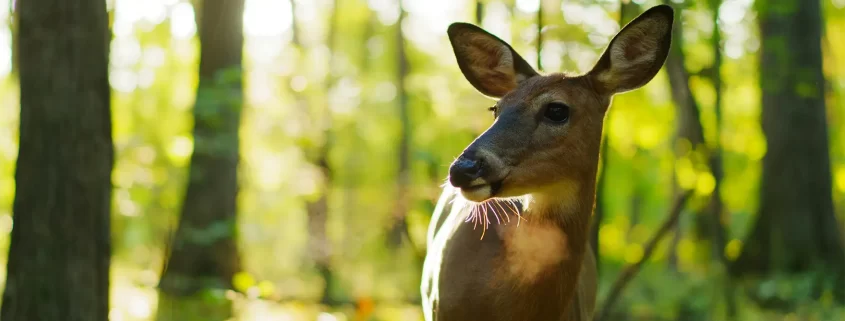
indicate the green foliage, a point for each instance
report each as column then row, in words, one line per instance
column 295, row 100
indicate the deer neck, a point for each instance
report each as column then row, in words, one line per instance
column 553, row 236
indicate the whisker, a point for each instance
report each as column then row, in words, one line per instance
column 472, row 216
column 515, row 208
column 486, row 216
column 504, row 211
column 493, row 209
column 517, row 211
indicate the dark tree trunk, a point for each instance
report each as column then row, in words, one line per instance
column 204, row 253
column 59, row 254
column 796, row 229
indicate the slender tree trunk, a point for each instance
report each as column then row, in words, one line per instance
column 796, row 230
column 58, row 267
column 204, row 254
column 715, row 206
column 689, row 131
column 628, row 10
column 479, row 12
column 399, row 231
column 319, row 245
column 636, row 201
column 14, row 22
column 601, row 186
column 539, row 35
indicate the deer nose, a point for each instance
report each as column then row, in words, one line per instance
column 465, row 170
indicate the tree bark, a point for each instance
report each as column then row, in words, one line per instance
column 479, row 12
column 795, row 230
column 715, row 205
column 689, row 131
column 319, row 245
column 204, row 253
column 627, row 11
column 399, row 230
column 14, row 22
column 539, row 35
column 58, row 267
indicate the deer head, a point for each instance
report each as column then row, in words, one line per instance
column 545, row 138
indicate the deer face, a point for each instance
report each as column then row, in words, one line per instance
column 547, row 129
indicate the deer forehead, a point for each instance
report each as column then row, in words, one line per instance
column 534, row 92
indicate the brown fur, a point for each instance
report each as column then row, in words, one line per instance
column 539, row 268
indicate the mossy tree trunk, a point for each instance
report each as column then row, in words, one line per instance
column 58, row 267
column 204, row 256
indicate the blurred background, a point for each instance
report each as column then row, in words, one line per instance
column 345, row 114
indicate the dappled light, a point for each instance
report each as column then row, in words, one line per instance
column 334, row 128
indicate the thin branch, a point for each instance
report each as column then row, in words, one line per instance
column 631, row 270
column 335, row 304
column 399, row 230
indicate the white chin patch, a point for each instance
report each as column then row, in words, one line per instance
column 476, row 194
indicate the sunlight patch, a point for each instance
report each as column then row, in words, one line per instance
column 633, row 253
column 267, row 17
column 182, row 22
column 839, row 177
column 5, row 51
column 733, row 249
column 180, row 149
column 325, row 316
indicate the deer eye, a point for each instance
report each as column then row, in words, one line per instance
column 557, row 112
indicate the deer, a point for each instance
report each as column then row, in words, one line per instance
column 534, row 172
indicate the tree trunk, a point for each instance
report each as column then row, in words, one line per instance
column 539, row 35
column 715, row 206
column 689, row 131
column 204, row 256
column 479, row 12
column 14, row 22
column 399, row 231
column 795, row 230
column 637, row 193
column 601, row 185
column 627, row 11
column 319, row 245
column 58, row 267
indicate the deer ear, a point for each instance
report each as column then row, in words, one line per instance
column 636, row 53
column 487, row 62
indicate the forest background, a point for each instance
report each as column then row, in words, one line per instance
column 327, row 127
